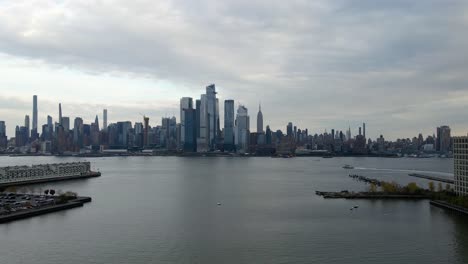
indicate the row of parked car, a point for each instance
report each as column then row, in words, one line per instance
column 11, row 202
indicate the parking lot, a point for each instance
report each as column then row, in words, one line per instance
column 13, row 202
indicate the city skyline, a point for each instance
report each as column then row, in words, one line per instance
column 328, row 66
column 188, row 102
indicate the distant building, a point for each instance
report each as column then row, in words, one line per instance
column 460, row 154
column 242, row 129
column 229, row 125
column 3, row 137
column 443, row 141
column 190, row 142
column 260, row 120
column 104, row 119
column 289, row 130
column 185, row 103
column 34, row 121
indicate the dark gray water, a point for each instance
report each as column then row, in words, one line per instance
column 164, row 210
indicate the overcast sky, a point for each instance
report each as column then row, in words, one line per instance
column 399, row 66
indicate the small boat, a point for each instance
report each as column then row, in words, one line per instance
column 219, row 203
column 356, row 207
column 349, row 167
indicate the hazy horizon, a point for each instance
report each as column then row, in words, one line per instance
column 398, row 66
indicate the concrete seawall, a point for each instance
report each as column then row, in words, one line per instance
column 449, row 206
column 45, row 210
column 64, row 178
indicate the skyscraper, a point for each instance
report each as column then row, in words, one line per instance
column 289, row 129
column 66, row 123
column 202, row 140
column 364, row 129
column 145, row 131
column 60, row 114
column 104, row 119
column 443, row 143
column 27, row 124
column 34, row 121
column 229, row 125
column 212, row 115
column 185, row 103
column 190, row 130
column 96, row 123
column 259, row 120
column 3, row 137
column 242, row 128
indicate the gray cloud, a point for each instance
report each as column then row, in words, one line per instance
column 399, row 65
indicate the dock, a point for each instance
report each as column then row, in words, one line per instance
column 432, row 178
column 366, row 179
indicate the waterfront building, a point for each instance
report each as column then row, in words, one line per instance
column 229, row 125
column 460, row 155
column 185, row 103
column 260, row 120
column 242, row 129
column 43, row 171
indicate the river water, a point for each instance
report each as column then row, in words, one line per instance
column 165, row 210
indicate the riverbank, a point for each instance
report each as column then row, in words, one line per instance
column 449, row 206
column 368, row 195
column 78, row 202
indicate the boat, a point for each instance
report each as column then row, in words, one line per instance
column 356, row 206
column 348, row 167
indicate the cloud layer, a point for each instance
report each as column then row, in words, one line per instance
column 400, row 66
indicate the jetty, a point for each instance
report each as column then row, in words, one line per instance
column 432, row 178
column 366, row 179
column 368, row 195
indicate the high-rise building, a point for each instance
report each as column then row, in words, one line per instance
column 242, row 129
column 460, row 155
column 104, row 119
column 34, row 121
column 289, row 129
column 212, row 115
column 190, row 143
column 96, row 122
column 364, row 129
column 185, row 103
column 202, row 140
column 60, row 114
column 229, row 125
column 443, row 142
column 145, row 131
column 66, row 123
column 260, row 120
column 78, row 132
column 27, row 124
column 3, row 137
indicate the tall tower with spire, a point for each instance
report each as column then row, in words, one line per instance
column 96, row 122
column 259, row 119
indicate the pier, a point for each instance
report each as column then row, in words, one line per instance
column 432, row 178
